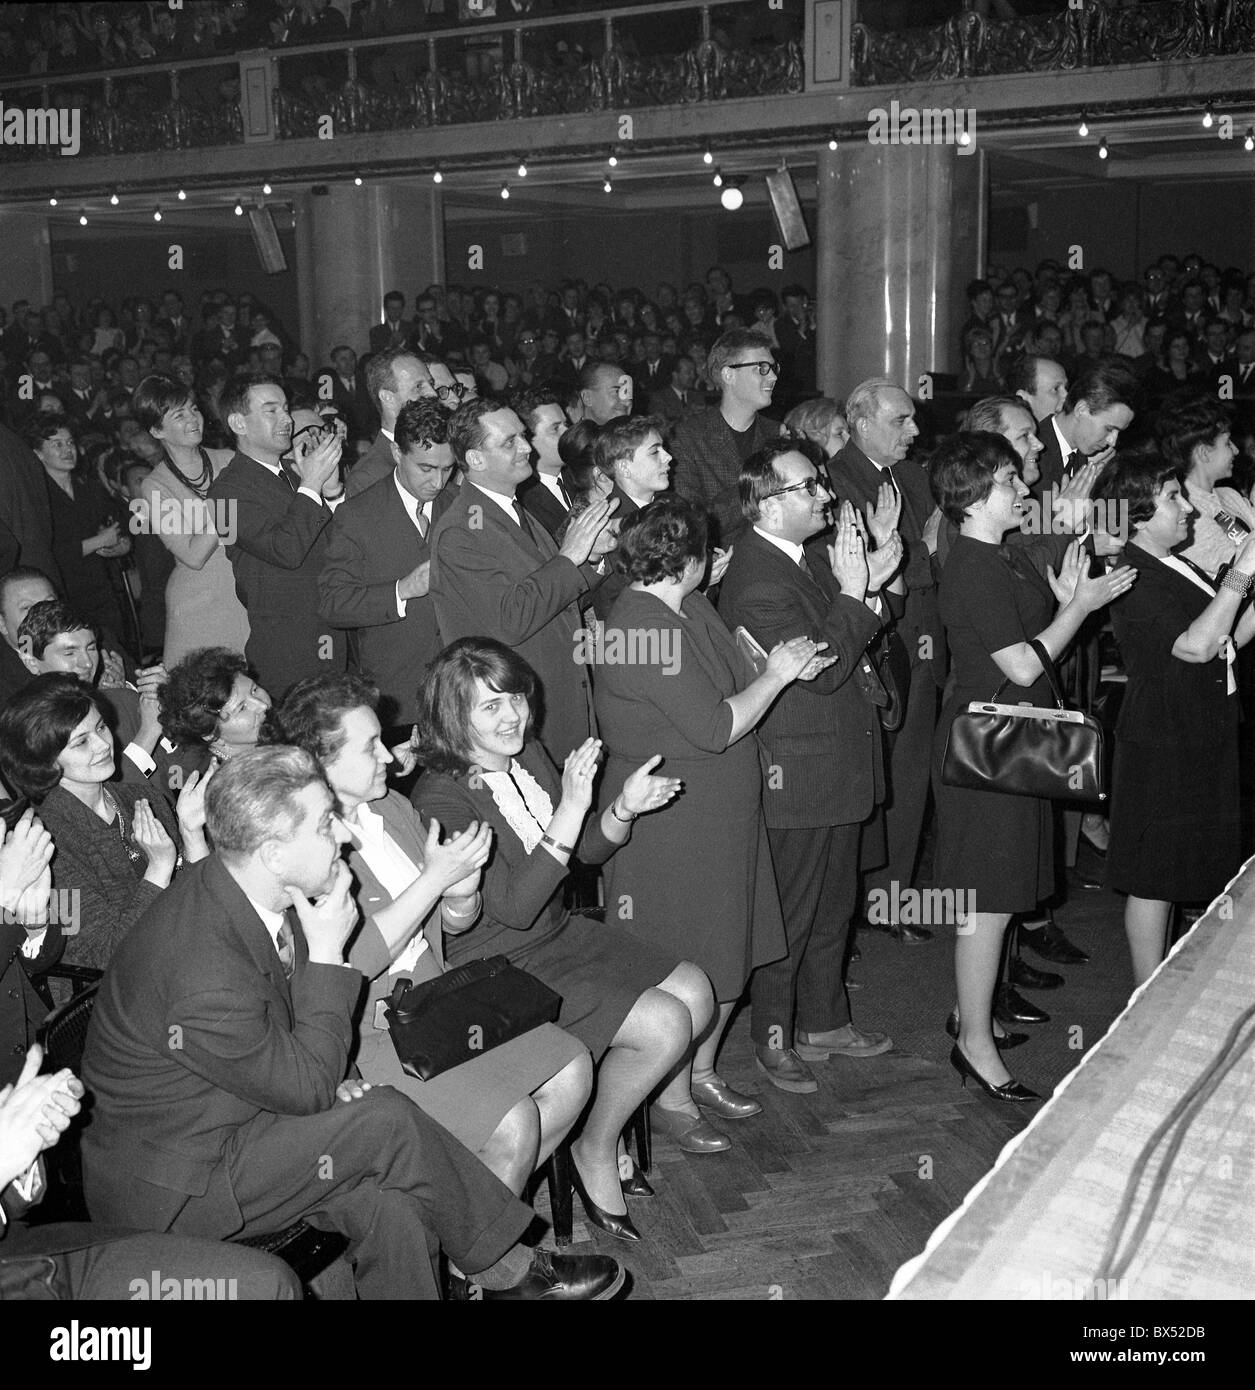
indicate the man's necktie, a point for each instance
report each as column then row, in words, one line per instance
column 1076, row 459
column 423, row 524
column 565, row 495
column 522, row 516
column 287, row 947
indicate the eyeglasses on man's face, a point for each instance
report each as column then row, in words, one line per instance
column 763, row 368
column 812, row 485
column 314, row 434
column 444, row 393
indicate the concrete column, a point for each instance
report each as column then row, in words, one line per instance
column 901, row 230
column 26, row 265
column 353, row 246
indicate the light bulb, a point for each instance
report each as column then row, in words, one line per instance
column 437, row 177
column 266, row 189
column 182, row 196
column 52, row 202
column 357, row 180
column 1102, row 148
column 1249, row 142
column 607, row 187
column 156, row 214
column 613, row 160
column 239, row 209
column 1083, row 129
column 718, row 178
column 965, row 137
column 82, row 219
column 505, row 190
column 832, row 142
column 732, row 197
column 113, row 199
column 708, row 158
column 1208, row 118
column 522, row 169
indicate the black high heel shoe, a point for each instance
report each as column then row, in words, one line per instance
column 1009, row 1090
column 637, row 1185
column 1007, row 1039
column 619, row 1226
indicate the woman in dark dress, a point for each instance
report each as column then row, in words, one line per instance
column 635, row 1008
column 87, row 525
column 1174, row 800
column 995, row 852
column 116, row 847
column 698, row 880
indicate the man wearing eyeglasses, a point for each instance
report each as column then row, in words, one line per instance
column 711, row 445
column 824, row 744
column 394, row 378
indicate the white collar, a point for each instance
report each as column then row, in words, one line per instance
column 525, row 804
column 270, row 919
column 790, row 548
column 412, row 507
column 505, row 503
column 1065, row 449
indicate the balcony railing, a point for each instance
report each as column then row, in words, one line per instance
column 494, row 72
column 1097, row 34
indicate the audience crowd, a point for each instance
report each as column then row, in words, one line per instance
column 570, row 627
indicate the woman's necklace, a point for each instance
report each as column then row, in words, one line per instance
column 200, row 486
column 134, row 854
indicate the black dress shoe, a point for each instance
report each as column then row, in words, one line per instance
column 563, row 1279
column 1028, row 976
column 1011, row 1007
column 1009, row 1090
column 900, row 931
column 637, row 1185
column 1007, row 1040
column 1050, row 944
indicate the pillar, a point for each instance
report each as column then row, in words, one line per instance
column 901, row 230
column 26, row 266
column 353, row 246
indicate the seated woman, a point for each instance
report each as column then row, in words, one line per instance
column 822, row 421
column 116, row 849
column 511, row 1106
column 1175, row 807
column 211, row 708
column 635, row 1007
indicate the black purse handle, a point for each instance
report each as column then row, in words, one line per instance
column 1048, row 668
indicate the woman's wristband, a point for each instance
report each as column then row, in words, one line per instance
column 623, row 820
column 1238, row 582
column 554, row 844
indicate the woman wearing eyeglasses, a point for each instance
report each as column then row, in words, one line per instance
column 202, row 609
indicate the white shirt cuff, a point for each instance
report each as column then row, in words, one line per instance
column 140, row 759
column 400, row 601
column 34, row 943
column 311, row 494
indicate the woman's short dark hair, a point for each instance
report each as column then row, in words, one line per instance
column 310, row 715
column 1133, row 480
column 156, row 396
column 38, row 429
column 575, row 449
column 659, row 540
column 35, row 725
column 447, row 697
column 195, row 691
column 962, row 470
column 1185, row 423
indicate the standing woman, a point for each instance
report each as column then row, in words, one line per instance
column 997, row 850
column 87, row 527
column 698, row 880
column 1195, row 439
column 1175, row 832
column 202, row 609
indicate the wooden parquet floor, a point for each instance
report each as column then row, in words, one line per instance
column 824, row 1196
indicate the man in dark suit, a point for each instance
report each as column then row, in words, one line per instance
column 1040, row 382
column 375, row 576
column 1098, row 405
column 25, row 510
column 435, row 335
column 868, row 473
column 822, row 744
column 218, row 1054
column 395, row 330
column 343, row 385
column 1211, row 353
column 678, row 398
column 496, row 573
column 572, row 360
column 221, row 337
column 394, row 378
column 653, row 372
column 711, row 445
column 281, row 514
column 1242, row 368
column 544, row 495
column 795, row 332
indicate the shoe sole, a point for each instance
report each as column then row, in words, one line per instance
column 797, row 1088
column 612, row 1289
column 712, row 1114
column 810, row 1053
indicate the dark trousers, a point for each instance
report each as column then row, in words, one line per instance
column 817, row 871
column 398, row 1184
column 909, row 764
column 84, row 1262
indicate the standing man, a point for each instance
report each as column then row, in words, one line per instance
column 394, row 378
column 218, row 1054
column 347, row 392
column 882, row 424
column 395, row 330
column 711, row 445
column 823, row 746
column 1097, row 407
column 1040, row 382
column 544, row 495
column 25, row 509
column 375, row 575
column 497, row 573
column 677, row 398
column 281, row 514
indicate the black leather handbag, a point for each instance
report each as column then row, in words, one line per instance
column 1027, row 750
column 444, row 1022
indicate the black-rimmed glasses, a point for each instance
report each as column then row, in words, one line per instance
column 812, row 486
column 764, row 368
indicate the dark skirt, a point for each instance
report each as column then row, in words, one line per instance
column 600, row 971
column 996, row 851
column 1175, row 819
